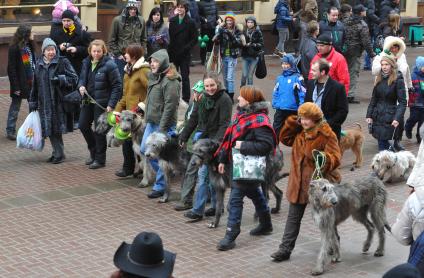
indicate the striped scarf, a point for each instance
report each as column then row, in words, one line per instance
column 29, row 65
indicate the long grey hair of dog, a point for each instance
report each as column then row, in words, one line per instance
column 333, row 204
column 397, row 166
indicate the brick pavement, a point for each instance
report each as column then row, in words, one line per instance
column 66, row 220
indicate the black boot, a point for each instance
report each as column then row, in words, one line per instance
column 281, row 255
column 228, row 242
column 265, row 225
column 91, row 158
column 398, row 147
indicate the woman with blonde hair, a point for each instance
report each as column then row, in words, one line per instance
column 100, row 86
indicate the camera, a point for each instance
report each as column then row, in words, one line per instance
column 370, row 128
column 67, row 44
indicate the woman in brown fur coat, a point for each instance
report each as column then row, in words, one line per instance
column 305, row 133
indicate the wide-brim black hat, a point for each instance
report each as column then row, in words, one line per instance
column 126, row 263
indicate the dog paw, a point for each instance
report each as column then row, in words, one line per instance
column 336, row 259
column 143, row 184
column 352, row 169
column 366, row 247
column 275, row 210
column 379, row 253
column 317, row 271
column 212, row 225
column 163, row 200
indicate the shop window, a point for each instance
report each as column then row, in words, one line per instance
column 111, row 4
column 238, row 7
column 403, row 5
column 25, row 12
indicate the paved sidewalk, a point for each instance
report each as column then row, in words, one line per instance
column 67, row 221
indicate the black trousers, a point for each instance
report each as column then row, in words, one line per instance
column 280, row 117
column 95, row 142
column 129, row 157
column 183, row 66
column 416, row 115
column 291, row 231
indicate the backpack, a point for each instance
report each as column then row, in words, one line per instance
column 416, row 253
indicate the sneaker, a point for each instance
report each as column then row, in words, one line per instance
column 183, row 206
column 281, row 255
column 194, row 217
column 155, row 194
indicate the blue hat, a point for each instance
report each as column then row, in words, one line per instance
column 419, row 63
column 289, row 59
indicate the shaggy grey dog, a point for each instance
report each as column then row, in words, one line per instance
column 203, row 151
column 397, row 166
column 331, row 205
column 172, row 158
column 102, row 126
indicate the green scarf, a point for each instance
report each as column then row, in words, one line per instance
column 207, row 103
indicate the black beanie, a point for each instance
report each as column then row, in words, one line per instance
column 68, row 14
column 324, row 39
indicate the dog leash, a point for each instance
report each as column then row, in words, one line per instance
column 94, row 101
column 392, row 147
column 320, row 160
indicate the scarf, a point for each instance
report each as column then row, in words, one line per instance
column 69, row 30
column 240, row 124
column 29, row 65
column 385, row 75
column 128, row 69
column 206, row 103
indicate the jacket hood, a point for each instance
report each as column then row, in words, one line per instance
column 163, row 58
column 172, row 73
column 260, row 106
column 390, row 41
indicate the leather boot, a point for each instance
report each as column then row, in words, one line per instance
column 91, row 158
column 265, row 225
column 228, row 242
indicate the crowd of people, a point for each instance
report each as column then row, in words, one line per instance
column 149, row 62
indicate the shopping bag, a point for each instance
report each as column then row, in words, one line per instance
column 261, row 71
column 213, row 63
column 29, row 134
column 248, row 167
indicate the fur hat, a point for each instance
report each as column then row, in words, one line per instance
column 324, row 39
column 311, row 111
column 419, row 63
column 46, row 43
column 68, row 14
column 391, row 41
column 230, row 15
column 252, row 94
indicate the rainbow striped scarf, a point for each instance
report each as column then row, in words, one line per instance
column 29, row 65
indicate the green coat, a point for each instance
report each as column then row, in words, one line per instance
column 125, row 32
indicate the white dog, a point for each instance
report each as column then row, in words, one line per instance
column 397, row 166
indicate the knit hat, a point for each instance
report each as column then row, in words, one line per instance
column 68, row 14
column 251, row 18
column 324, row 39
column 419, row 63
column 46, row 43
column 403, row 271
column 311, row 111
column 132, row 4
column 289, row 59
column 357, row 9
column 230, row 15
column 389, row 59
column 252, row 94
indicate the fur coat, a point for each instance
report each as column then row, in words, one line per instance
column 302, row 142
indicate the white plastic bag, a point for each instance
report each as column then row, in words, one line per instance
column 29, row 134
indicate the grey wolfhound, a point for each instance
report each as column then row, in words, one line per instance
column 103, row 128
column 333, row 204
column 172, row 158
column 133, row 122
column 203, row 152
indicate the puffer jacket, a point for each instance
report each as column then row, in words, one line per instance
column 388, row 103
column 126, row 30
column 410, row 221
column 288, row 84
column 135, row 86
column 336, row 31
column 107, row 81
column 387, row 7
column 256, row 40
column 282, row 11
column 228, row 39
column 218, row 119
column 416, row 99
column 308, row 50
column 357, row 37
column 163, row 93
column 321, row 138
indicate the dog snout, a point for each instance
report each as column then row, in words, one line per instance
column 333, row 201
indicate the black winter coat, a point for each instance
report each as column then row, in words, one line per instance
column 47, row 97
column 107, row 81
column 336, row 31
column 324, row 5
column 208, row 14
column 182, row 38
column 256, row 40
column 387, row 7
column 229, row 39
column 333, row 104
column 16, row 72
column 218, row 119
column 79, row 39
column 388, row 103
column 308, row 50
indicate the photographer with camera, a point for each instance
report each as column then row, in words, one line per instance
column 53, row 75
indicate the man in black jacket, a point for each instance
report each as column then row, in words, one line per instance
column 328, row 94
column 183, row 37
column 333, row 27
column 208, row 20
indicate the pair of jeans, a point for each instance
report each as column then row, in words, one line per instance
column 354, row 65
column 95, row 142
column 383, row 145
column 183, row 66
column 57, row 145
column 248, row 69
column 121, row 65
column 238, row 192
column 129, row 157
column 228, row 72
column 367, row 58
column 292, row 228
column 160, row 184
column 280, row 117
column 203, row 189
column 283, row 36
column 12, row 116
column 416, row 115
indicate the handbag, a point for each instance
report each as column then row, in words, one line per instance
column 73, row 97
column 248, row 167
column 261, row 71
column 214, row 61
